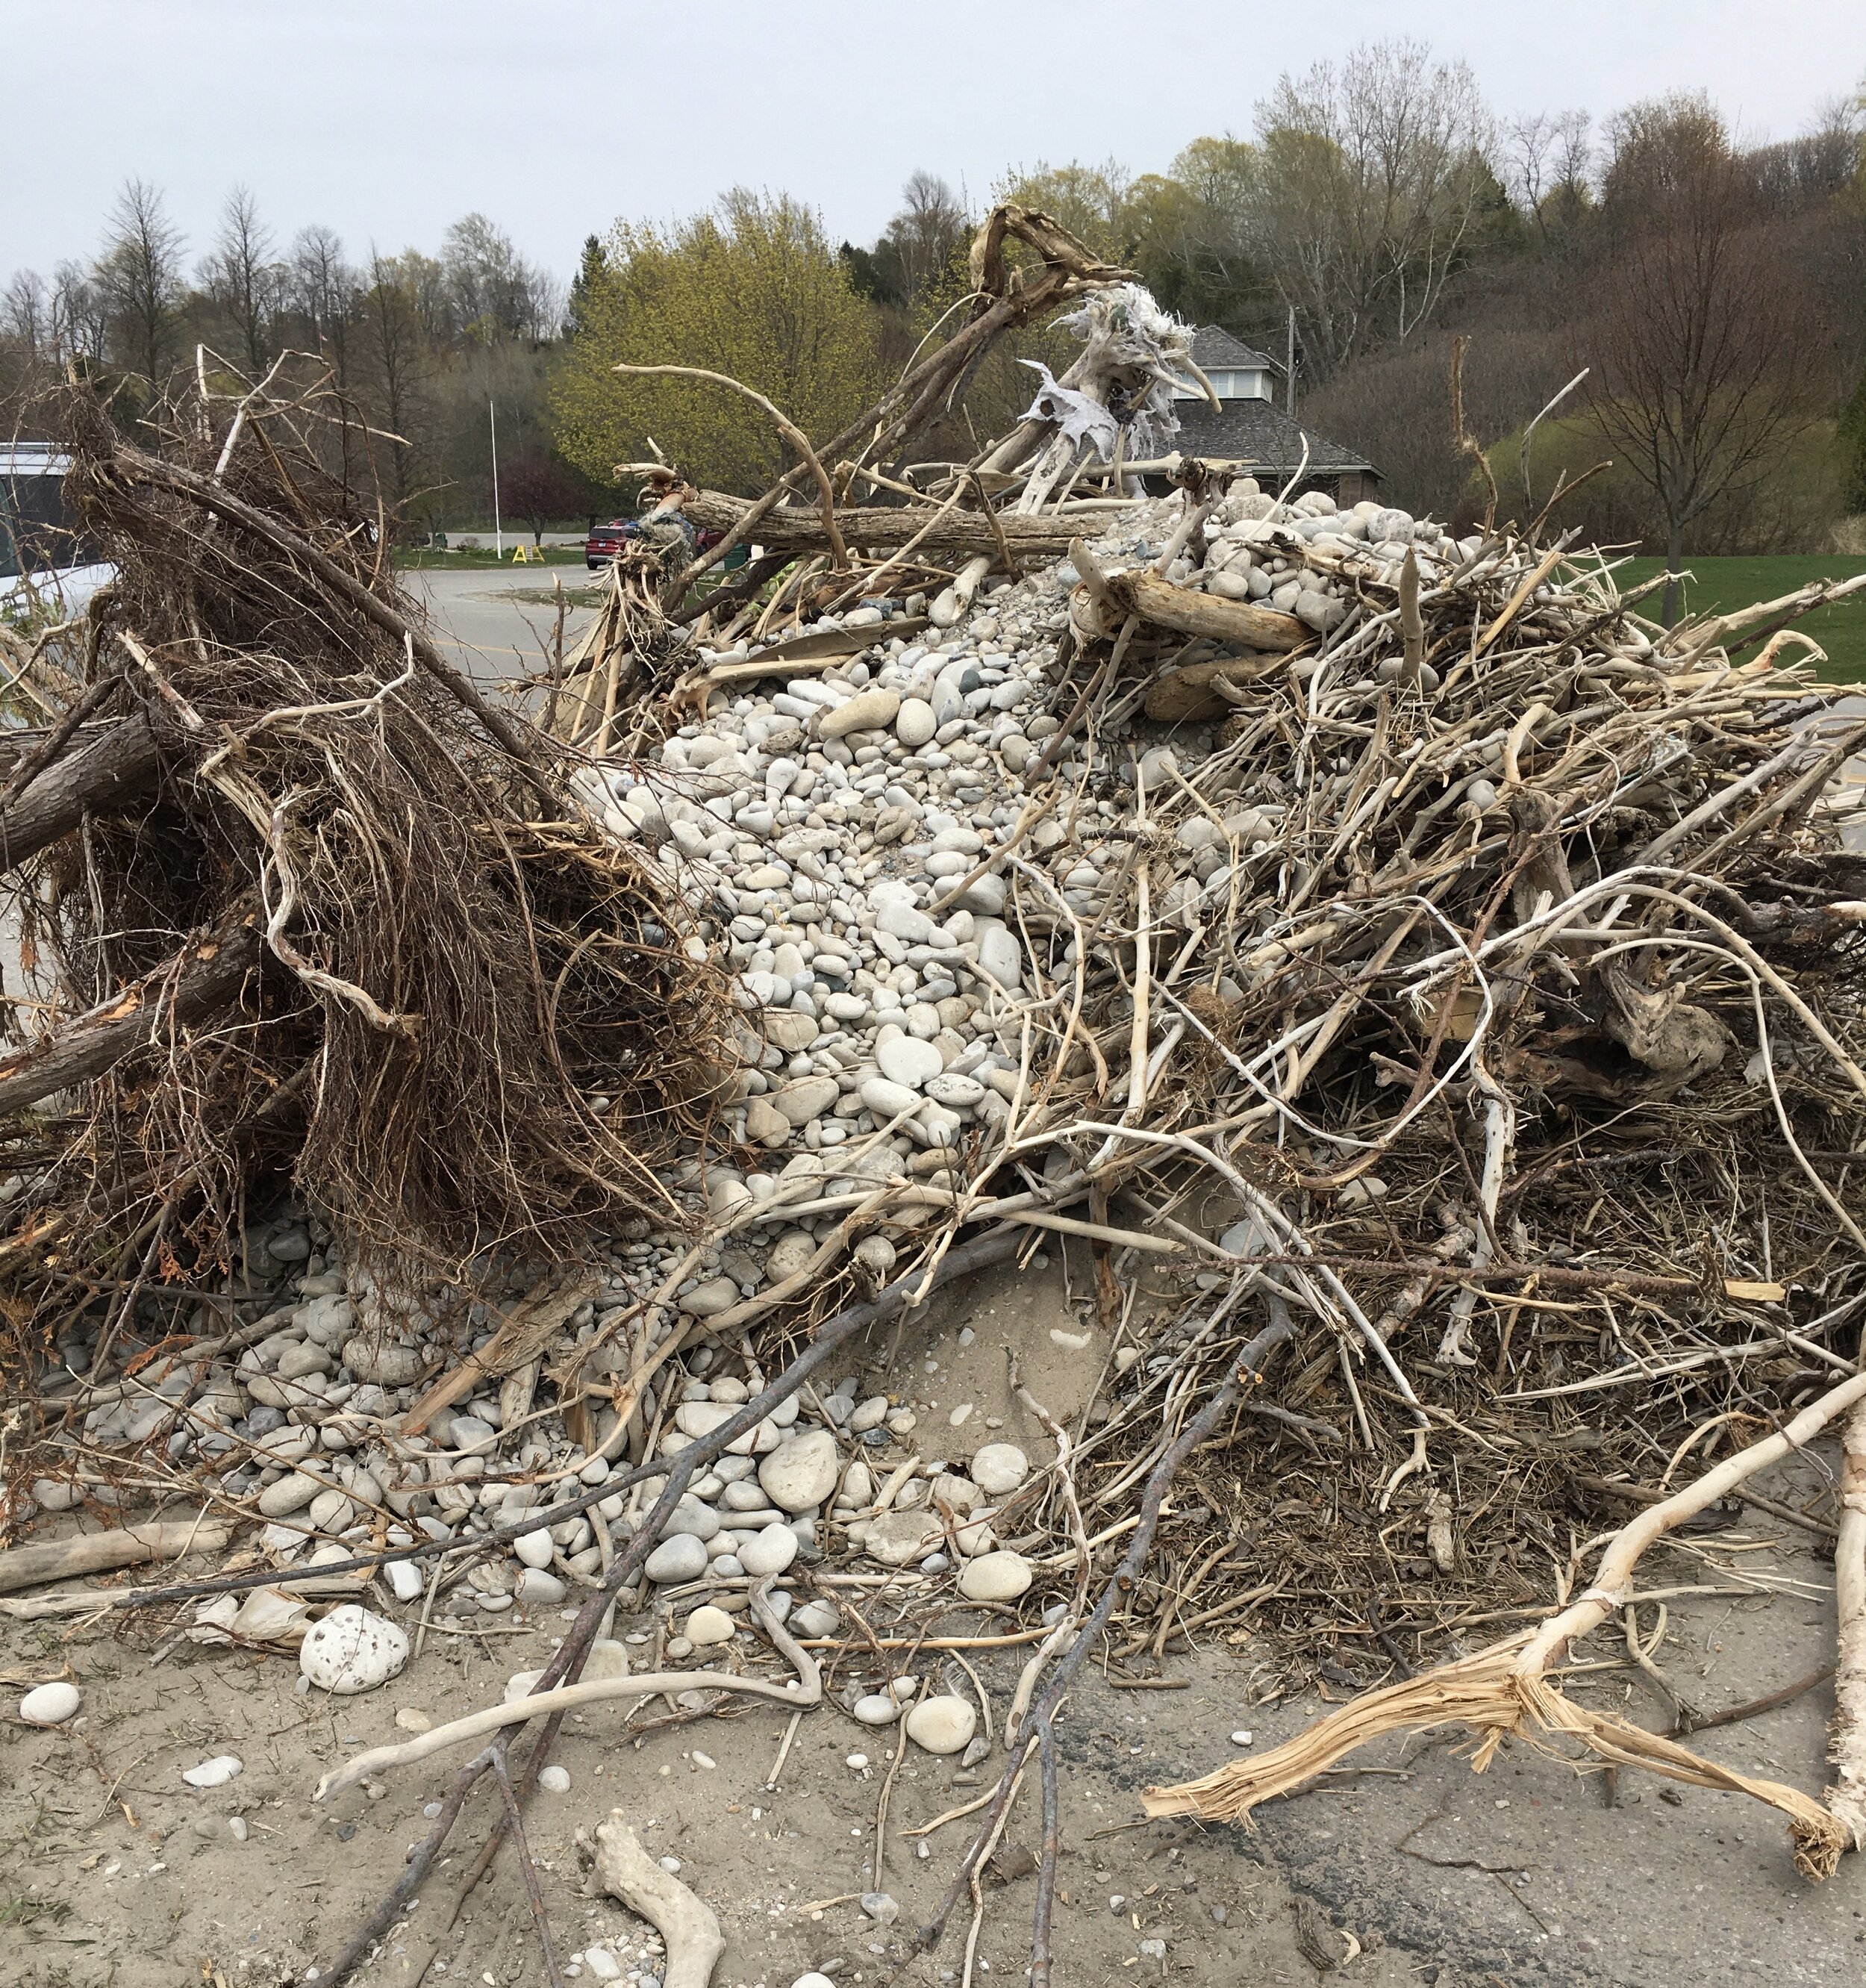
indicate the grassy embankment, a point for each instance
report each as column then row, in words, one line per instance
column 422, row 558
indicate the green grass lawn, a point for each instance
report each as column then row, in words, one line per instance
column 422, row 557
column 1718, row 585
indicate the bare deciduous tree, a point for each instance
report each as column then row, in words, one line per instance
column 243, row 278
column 924, row 236
column 1370, row 177
column 81, row 314
column 25, row 315
column 493, row 292
column 392, row 354
column 322, row 288
column 139, row 274
column 1547, row 162
column 1699, row 350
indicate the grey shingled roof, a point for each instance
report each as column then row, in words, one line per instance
column 1258, row 434
column 1213, row 346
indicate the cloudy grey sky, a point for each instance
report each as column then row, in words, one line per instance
column 388, row 119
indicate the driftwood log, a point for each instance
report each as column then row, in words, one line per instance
column 102, row 1553
column 792, row 529
column 106, row 769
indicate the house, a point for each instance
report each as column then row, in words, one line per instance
column 1250, row 432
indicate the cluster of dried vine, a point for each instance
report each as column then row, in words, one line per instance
column 290, row 895
column 1514, row 1026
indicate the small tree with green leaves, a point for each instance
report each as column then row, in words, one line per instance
column 752, row 288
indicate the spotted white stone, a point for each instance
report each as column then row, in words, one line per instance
column 352, row 1650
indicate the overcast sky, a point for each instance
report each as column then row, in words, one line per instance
column 388, row 119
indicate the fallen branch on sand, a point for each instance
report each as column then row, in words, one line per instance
column 1506, row 1689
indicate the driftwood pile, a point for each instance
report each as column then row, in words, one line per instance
column 1454, row 976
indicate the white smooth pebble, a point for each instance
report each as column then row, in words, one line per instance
column 943, row 1724
column 213, row 1773
column 49, row 1704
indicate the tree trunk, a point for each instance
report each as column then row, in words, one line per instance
column 204, row 976
column 112, row 766
column 1675, row 559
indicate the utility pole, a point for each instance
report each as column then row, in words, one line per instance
column 1289, row 369
column 499, row 536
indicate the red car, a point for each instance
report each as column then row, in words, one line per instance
column 605, row 543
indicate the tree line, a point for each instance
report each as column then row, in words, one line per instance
column 428, row 348
column 1702, row 301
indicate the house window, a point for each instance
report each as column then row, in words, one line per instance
column 1234, row 384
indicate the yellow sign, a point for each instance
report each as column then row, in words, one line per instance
column 523, row 555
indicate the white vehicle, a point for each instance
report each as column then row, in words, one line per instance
column 45, row 564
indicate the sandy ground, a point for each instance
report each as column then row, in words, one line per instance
column 112, row 1871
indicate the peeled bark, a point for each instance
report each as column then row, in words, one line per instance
column 205, row 975
column 107, row 769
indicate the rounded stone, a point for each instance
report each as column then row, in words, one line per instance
column 554, row 1780
column 534, row 1549
column 352, row 1650
column 708, row 1625
column 815, row 1618
column 215, row 1773
column 765, row 1124
column 49, row 1704
column 789, row 1029
column 888, row 1099
column 876, row 1709
column 908, row 1060
column 536, row 1589
column 994, row 1576
column 706, row 1300
column 370, row 1359
column 897, row 1537
column 290, row 1494
column 959, row 1093
column 693, row 1514
column 942, row 1725
column 799, row 1474
column 770, row 1551
column 915, row 723
column 680, row 1557
column 699, row 1419
column 998, row 1467
column 806, row 1099
column 792, row 1251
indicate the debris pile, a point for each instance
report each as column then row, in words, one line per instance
column 290, row 895
column 1442, row 983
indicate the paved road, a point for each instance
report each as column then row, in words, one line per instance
column 496, row 625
